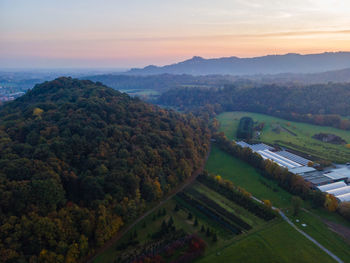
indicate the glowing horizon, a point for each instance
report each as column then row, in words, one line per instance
column 123, row 34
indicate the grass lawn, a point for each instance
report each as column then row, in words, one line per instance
column 243, row 175
column 230, row 206
column 302, row 140
column 277, row 243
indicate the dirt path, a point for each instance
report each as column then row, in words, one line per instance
column 339, row 229
column 119, row 235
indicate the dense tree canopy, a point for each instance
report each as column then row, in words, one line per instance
column 78, row 159
column 318, row 104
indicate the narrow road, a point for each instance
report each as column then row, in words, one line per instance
column 178, row 189
column 310, row 238
column 285, row 218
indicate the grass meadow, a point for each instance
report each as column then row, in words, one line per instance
column 299, row 138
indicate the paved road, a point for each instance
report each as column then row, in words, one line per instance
column 310, row 238
column 303, row 233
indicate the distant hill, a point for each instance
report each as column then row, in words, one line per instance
column 160, row 82
column 271, row 64
column 164, row 82
column 336, row 76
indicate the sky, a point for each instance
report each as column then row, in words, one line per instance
column 136, row 33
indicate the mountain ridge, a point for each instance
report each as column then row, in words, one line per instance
column 269, row 64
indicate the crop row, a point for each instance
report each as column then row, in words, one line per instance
column 219, row 209
column 211, row 213
column 238, row 197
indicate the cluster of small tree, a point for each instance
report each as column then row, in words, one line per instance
column 78, row 159
column 211, row 213
column 196, row 249
column 245, row 128
column 165, row 250
column 158, row 249
column 237, row 195
column 211, row 204
column 165, row 228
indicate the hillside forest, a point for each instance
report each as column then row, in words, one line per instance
column 79, row 160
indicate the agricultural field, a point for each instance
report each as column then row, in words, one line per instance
column 243, row 175
column 141, row 92
column 293, row 135
column 199, row 211
column 278, row 242
column 241, row 235
column 233, row 230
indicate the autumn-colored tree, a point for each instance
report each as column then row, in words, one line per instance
column 218, row 178
column 37, row 112
column 310, row 164
column 331, row 203
column 267, row 203
column 78, row 159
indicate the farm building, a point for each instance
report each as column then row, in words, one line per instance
column 343, row 198
column 339, row 189
column 283, row 158
column 332, row 186
column 302, row 170
column 343, row 172
column 317, row 178
column 280, row 160
column 332, row 181
column 255, row 147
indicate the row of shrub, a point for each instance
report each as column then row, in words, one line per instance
column 211, row 213
column 219, row 209
column 237, row 195
column 153, row 248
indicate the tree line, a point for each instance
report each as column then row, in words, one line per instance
column 321, row 104
column 237, row 195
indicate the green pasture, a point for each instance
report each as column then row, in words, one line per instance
column 294, row 135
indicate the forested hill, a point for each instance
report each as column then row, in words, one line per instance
column 319, row 104
column 78, row 160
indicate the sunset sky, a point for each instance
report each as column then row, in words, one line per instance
column 134, row 33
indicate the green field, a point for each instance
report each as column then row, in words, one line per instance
column 141, row 92
column 243, row 175
column 293, row 135
column 276, row 243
